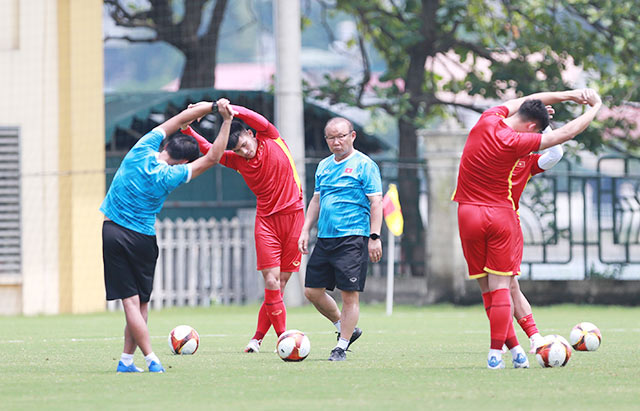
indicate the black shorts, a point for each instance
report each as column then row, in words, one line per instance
column 129, row 262
column 340, row 262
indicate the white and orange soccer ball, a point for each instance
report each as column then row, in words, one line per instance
column 585, row 337
column 293, row 345
column 184, row 340
column 554, row 352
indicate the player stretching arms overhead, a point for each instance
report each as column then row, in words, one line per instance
column 265, row 163
column 486, row 219
column 526, row 168
column 148, row 174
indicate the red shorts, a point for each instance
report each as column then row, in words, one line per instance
column 277, row 241
column 519, row 247
column 489, row 238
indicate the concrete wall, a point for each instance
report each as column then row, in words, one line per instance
column 51, row 79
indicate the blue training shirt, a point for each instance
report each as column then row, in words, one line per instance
column 142, row 184
column 344, row 187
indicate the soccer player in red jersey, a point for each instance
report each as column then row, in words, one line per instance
column 265, row 163
column 487, row 222
column 526, row 168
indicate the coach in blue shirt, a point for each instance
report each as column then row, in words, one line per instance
column 347, row 205
column 146, row 176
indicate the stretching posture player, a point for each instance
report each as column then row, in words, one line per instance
column 139, row 188
column 265, row 163
column 528, row 167
column 486, row 219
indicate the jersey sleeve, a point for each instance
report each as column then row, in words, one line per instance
column 527, row 142
column 535, row 167
column 256, row 121
column 501, row 111
column 170, row 177
column 151, row 140
column 203, row 144
column 316, row 188
column 372, row 182
column 230, row 159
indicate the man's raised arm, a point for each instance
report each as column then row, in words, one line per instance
column 576, row 126
column 549, row 97
column 256, row 121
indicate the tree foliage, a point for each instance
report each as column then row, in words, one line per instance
column 195, row 32
column 465, row 53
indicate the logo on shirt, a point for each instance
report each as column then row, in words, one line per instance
column 348, row 170
column 520, row 164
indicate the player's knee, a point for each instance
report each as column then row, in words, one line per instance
column 272, row 283
column 311, row 294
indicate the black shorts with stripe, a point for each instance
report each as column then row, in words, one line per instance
column 339, row 262
column 129, row 262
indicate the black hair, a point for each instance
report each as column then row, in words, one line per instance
column 237, row 128
column 534, row 110
column 182, row 147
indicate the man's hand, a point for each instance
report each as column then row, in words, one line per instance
column 225, row 110
column 375, row 250
column 303, row 242
column 550, row 111
column 592, row 98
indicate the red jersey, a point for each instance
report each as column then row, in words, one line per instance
column 526, row 168
column 490, row 155
column 271, row 174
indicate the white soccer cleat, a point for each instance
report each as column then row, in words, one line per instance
column 494, row 363
column 520, row 361
column 253, row 346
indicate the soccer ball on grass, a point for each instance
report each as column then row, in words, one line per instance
column 585, row 337
column 184, row 340
column 293, row 345
column 554, row 352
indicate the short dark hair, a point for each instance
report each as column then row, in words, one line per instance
column 534, row 110
column 237, row 128
column 182, row 147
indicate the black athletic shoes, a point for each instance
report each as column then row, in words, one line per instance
column 338, row 354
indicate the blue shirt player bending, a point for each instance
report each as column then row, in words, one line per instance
column 347, row 205
column 146, row 176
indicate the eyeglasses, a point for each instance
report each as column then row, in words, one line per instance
column 339, row 137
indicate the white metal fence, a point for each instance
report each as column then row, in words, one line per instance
column 205, row 261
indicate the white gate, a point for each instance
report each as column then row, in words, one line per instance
column 205, row 261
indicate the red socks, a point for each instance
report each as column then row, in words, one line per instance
column 276, row 311
column 528, row 325
column 500, row 318
column 264, row 323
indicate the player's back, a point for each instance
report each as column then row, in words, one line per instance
column 489, row 158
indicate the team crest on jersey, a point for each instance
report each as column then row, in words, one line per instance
column 348, row 170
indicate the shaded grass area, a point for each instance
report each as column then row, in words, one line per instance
column 419, row 358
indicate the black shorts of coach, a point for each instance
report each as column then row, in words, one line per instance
column 339, row 262
column 129, row 262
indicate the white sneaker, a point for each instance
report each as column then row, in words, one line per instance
column 520, row 361
column 494, row 363
column 253, row 346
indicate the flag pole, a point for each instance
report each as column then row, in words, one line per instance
column 391, row 258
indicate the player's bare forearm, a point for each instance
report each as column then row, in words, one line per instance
column 571, row 129
column 217, row 148
column 376, row 213
column 194, row 112
column 547, row 97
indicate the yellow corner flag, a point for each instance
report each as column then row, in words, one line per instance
column 392, row 211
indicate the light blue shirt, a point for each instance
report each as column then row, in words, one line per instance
column 344, row 187
column 142, row 184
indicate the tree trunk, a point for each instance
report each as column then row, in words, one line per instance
column 199, row 66
column 409, row 192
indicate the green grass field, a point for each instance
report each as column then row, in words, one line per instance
column 419, row 358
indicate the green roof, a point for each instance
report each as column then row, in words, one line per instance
column 123, row 109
